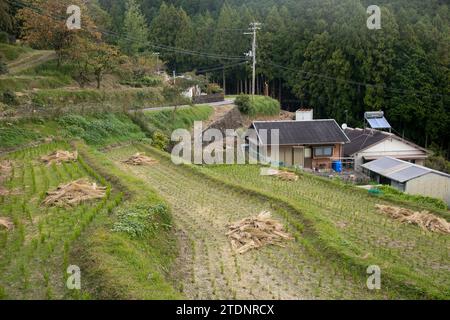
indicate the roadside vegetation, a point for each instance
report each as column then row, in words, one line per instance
column 159, row 125
column 95, row 129
column 257, row 105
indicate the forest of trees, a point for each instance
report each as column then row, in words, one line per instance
column 318, row 53
column 311, row 53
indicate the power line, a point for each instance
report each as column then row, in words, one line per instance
column 175, row 50
column 351, row 82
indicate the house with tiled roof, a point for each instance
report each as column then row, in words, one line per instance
column 370, row 144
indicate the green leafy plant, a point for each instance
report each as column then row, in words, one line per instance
column 9, row 97
column 257, row 105
column 139, row 219
column 160, row 140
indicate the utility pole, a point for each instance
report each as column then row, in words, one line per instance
column 157, row 60
column 254, row 27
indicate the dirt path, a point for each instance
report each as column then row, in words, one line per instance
column 30, row 60
column 208, row 268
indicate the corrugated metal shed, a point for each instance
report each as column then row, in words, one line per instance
column 398, row 170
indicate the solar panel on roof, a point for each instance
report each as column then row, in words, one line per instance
column 379, row 123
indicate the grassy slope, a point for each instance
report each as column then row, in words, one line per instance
column 43, row 76
column 99, row 130
column 166, row 121
column 12, row 52
column 117, row 266
column 346, row 222
column 258, row 105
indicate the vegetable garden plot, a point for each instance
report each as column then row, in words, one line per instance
column 348, row 219
column 211, row 269
column 35, row 254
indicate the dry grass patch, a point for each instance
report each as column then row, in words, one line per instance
column 282, row 175
column 59, row 157
column 256, row 232
column 423, row 219
column 6, row 223
column 140, row 159
column 74, row 193
column 5, row 169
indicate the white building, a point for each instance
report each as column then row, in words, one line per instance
column 369, row 144
column 410, row 178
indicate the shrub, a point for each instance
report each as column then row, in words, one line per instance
column 395, row 194
column 213, row 88
column 140, row 219
column 4, row 38
column 257, row 105
column 100, row 129
column 3, row 67
column 438, row 163
column 9, row 97
column 160, row 140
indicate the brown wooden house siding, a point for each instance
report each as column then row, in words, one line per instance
column 293, row 155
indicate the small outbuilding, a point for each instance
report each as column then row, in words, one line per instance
column 370, row 144
column 409, row 178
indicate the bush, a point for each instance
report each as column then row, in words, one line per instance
column 9, row 97
column 3, row 67
column 395, row 194
column 140, row 219
column 438, row 163
column 100, row 129
column 145, row 81
column 257, row 105
column 4, row 38
column 213, row 88
column 160, row 140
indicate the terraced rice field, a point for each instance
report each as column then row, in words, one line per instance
column 34, row 255
column 208, row 268
column 348, row 219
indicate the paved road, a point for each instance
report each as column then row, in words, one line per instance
column 227, row 102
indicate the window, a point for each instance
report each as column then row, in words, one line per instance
column 323, row 152
column 307, row 153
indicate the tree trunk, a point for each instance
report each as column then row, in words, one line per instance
column 224, row 82
column 99, row 80
column 245, row 86
column 273, row 93
column 279, row 90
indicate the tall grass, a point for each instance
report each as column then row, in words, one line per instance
column 257, row 105
column 168, row 120
column 12, row 52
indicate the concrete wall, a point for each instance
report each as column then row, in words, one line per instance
column 432, row 185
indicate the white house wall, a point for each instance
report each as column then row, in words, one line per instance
column 432, row 185
column 390, row 147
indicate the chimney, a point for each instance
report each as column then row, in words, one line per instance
column 304, row 115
